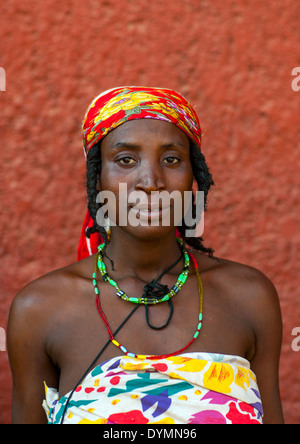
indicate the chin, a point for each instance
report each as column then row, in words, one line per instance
column 149, row 232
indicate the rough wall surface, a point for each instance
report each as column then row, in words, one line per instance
column 232, row 59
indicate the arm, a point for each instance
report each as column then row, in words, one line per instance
column 30, row 364
column 266, row 319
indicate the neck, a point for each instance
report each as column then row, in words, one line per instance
column 144, row 258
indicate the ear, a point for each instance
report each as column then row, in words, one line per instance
column 195, row 188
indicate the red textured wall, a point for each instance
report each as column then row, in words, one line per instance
column 232, row 59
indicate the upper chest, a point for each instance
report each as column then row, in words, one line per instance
column 79, row 333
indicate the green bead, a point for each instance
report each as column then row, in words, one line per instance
column 113, row 283
column 134, row 300
column 196, row 335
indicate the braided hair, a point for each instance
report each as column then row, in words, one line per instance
column 201, row 174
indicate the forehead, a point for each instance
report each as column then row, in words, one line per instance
column 147, row 130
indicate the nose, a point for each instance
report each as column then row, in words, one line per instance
column 150, row 179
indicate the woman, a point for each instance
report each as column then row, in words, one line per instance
column 152, row 328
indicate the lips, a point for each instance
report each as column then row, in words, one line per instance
column 148, row 212
column 150, row 208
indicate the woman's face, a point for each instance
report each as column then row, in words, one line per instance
column 140, row 160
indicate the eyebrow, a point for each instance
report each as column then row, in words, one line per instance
column 125, row 145
column 134, row 146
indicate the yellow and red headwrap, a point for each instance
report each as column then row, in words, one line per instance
column 119, row 105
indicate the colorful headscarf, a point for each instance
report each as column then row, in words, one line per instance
column 119, row 105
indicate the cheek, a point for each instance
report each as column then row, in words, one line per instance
column 114, row 187
column 109, row 178
column 182, row 180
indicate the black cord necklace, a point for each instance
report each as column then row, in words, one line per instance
column 154, row 289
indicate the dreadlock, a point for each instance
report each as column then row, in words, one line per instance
column 201, row 174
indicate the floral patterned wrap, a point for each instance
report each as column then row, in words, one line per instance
column 193, row 388
column 116, row 106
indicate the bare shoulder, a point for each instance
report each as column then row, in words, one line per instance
column 244, row 287
column 42, row 291
column 38, row 301
column 231, row 273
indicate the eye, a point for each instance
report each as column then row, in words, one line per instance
column 171, row 160
column 126, row 161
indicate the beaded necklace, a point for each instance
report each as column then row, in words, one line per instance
column 120, row 346
column 156, row 299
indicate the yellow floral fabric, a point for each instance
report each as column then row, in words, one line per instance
column 193, row 388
